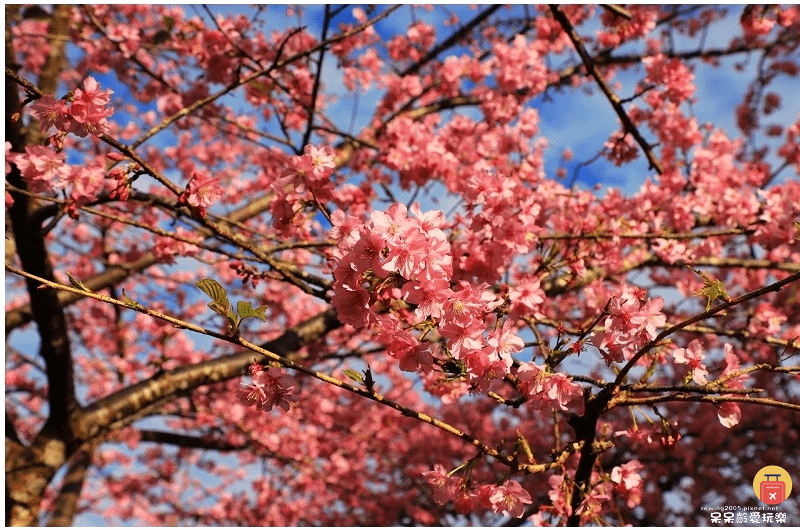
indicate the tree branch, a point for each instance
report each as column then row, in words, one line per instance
column 773, row 287
column 450, row 41
column 594, row 71
column 66, row 504
column 97, row 417
column 617, row 10
column 714, row 400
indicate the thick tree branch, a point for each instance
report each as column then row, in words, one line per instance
column 66, row 504
column 29, row 471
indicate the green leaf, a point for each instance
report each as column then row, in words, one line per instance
column 355, row 376
column 712, row 289
column 78, row 284
column 220, row 305
column 246, row 311
column 214, row 290
column 220, row 309
column 130, row 302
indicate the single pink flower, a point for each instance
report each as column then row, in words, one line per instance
column 729, row 414
column 504, row 342
column 443, row 485
column 561, row 390
column 201, row 191
column 510, row 499
column 51, row 112
column 693, row 356
column 321, row 160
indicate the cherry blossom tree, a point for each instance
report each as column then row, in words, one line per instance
column 336, row 265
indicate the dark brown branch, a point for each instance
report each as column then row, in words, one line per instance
column 184, row 440
column 317, row 78
column 30, row 469
column 594, row 71
column 450, row 41
column 128, row 401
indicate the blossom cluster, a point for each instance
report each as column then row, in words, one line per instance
column 306, row 177
column 508, row 499
column 395, row 256
column 394, row 244
column 545, row 389
column 85, row 112
column 630, row 324
column 45, row 170
column 269, row 388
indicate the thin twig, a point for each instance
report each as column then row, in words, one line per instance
column 592, row 68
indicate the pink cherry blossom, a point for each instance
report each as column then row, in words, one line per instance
column 51, row 112
column 202, row 191
column 443, row 485
column 484, row 368
column 693, row 356
column 88, row 109
column 322, row 160
column 729, row 414
column 429, row 295
column 269, row 388
column 403, row 346
column 392, row 223
column 561, row 390
column 504, row 342
column 649, row 318
column 352, row 305
column 629, row 481
column 532, row 378
column 42, row 168
column 509, row 499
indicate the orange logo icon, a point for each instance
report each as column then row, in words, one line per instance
column 772, row 484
